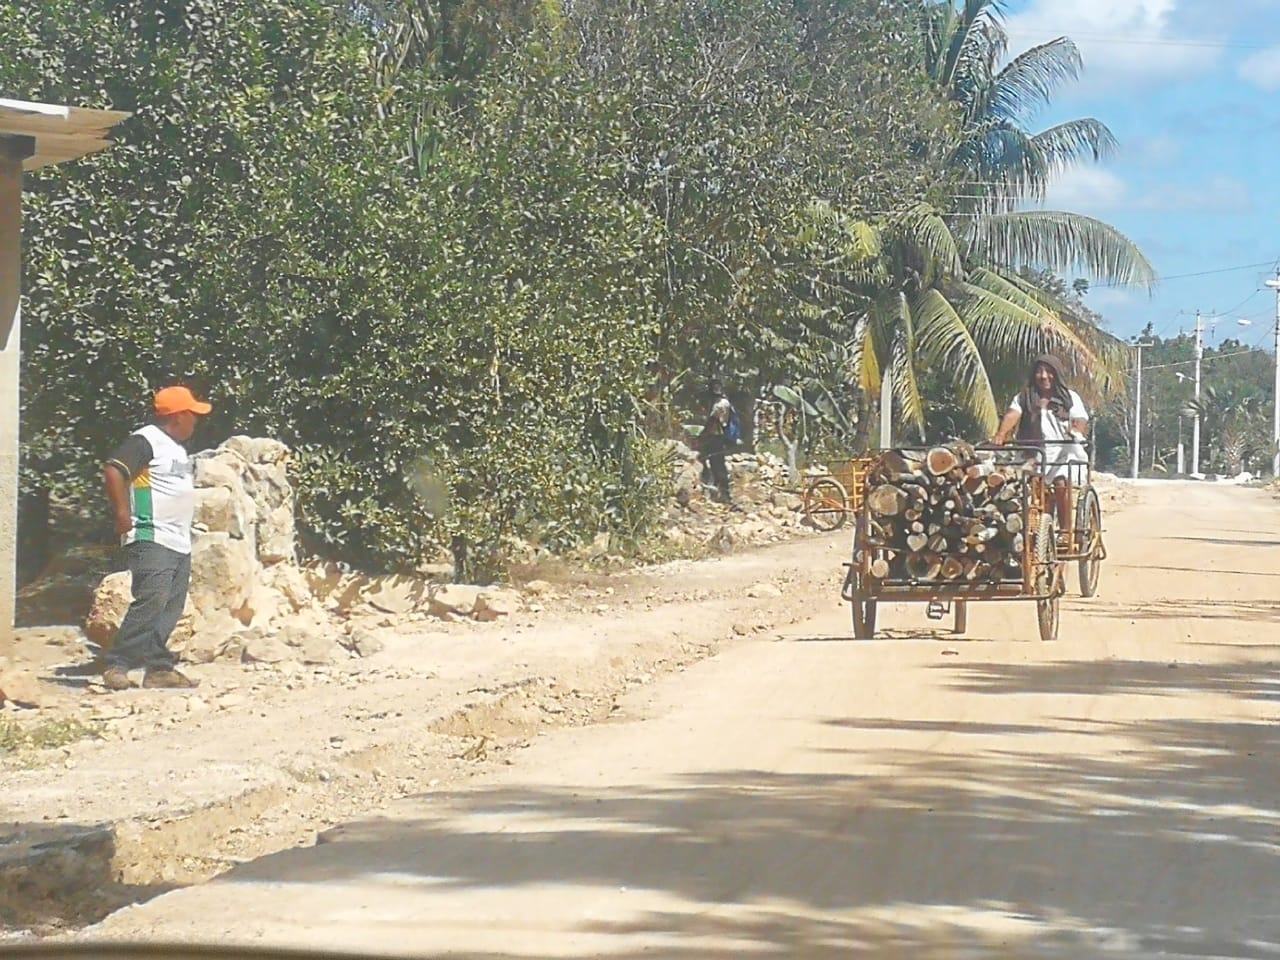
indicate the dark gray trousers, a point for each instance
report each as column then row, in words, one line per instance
column 160, row 580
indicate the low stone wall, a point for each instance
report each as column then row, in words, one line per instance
column 250, row 599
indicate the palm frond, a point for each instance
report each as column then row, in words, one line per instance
column 944, row 339
column 924, row 232
column 1023, row 165
column 1063, row 242
column 1027, row 83
column 1106, row 365
column 1074, row 141
column 1011, row 335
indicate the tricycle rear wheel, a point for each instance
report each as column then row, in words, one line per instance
column 864, row 608
column 1089, row 530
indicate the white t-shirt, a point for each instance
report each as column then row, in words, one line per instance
column 162, row 490
column 1054, row 429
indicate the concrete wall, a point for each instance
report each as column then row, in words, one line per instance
column 10, row 328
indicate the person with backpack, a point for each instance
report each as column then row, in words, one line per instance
column 720, row 434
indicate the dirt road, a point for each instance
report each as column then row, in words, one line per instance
column 804, row 795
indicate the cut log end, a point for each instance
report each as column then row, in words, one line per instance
column 940, row 461
column 886, row 500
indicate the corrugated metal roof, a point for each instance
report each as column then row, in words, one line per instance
column 61, row 133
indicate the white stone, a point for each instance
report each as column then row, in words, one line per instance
column 291, row 583
column 223, row 572
column 110, row 601
column 396, row 595
column 20, row 686
column 220, row 509
column 265, row 650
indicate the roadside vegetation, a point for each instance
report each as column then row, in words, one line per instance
column 474, row 261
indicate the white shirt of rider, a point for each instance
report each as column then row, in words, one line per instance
column 1055, row 429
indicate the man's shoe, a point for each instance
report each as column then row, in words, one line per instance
column 168, row 680
column 113, row 678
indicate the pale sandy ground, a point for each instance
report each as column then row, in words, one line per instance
column 803, row 795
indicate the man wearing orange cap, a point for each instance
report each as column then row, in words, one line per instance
column 150, row 483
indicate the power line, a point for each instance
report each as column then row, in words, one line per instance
column 1203, row 360
column 1166, row 42
column 1116, row 38
column 1216, row 356
column 1185, row 276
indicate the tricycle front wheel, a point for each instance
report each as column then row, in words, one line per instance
column 1045, row 559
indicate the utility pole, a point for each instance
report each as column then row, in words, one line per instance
column 1275, row 396
column 1195, row 426
column 1137, row 409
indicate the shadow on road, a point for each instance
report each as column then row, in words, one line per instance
column 1245, row 611
column 1169, row 847
column 1225, row 542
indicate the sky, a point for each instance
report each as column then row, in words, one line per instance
column 1191, row 90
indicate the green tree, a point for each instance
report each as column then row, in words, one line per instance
column 749, row 120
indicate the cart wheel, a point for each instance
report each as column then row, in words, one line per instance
column 962, row 617
column 864, row 609
column 1046, row 573
column 825, row 502
column 1089, row 529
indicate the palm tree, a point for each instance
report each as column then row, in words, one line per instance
column 943, row 289
column 1231, row 418
column 929, row 303
column 1001, row 164
column 965, row 49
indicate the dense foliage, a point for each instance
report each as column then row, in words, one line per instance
column 471, row 259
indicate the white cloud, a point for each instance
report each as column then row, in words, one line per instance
column 1096, row 192
column 1262, row 69
column 1121, row 41
column 1218, row 194
column 1088, row 190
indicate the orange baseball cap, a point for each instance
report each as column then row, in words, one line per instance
column 173, row 400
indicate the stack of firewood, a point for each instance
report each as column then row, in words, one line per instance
column 947, row 514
